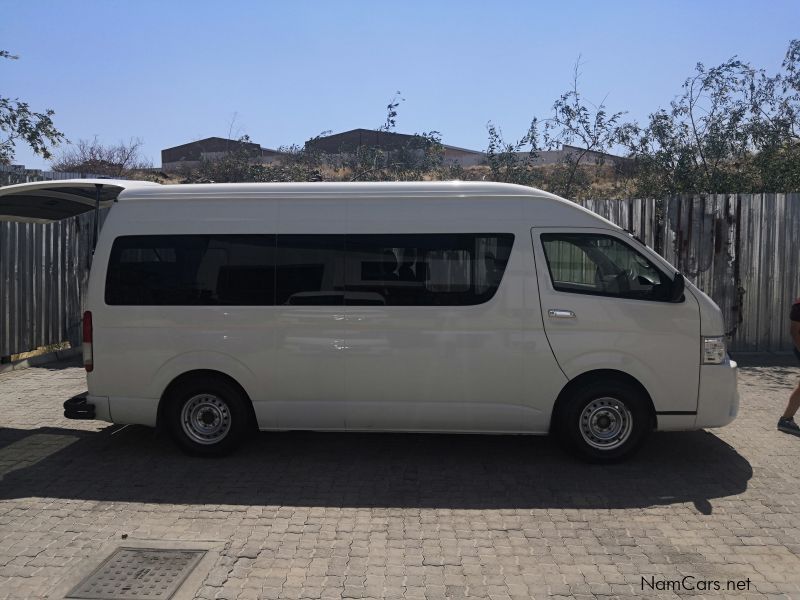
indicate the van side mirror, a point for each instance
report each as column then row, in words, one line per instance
column 676, row 291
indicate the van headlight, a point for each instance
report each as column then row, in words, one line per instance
column 714, row 350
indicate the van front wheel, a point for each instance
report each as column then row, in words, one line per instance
column 604, row 421
column 208, row 416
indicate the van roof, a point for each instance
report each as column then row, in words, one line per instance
column 335, row 189
column 49, row 201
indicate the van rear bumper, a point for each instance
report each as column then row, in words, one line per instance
column 718, row 400
column 86, row 408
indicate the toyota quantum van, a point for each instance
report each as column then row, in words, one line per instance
column 428, row 307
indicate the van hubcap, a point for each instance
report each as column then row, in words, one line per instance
column 205, row 419
column 606, row 423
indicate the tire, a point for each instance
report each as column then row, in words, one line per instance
column 208, row 416
column 604, row 421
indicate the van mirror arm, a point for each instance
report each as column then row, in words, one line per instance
column 634, row 236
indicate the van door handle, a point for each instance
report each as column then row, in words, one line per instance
column 560, row 313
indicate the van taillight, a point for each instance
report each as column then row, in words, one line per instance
column 88, row 362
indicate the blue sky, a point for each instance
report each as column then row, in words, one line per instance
column 170, row 72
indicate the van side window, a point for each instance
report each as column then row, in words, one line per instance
column 588, row 263
column 192, row 270
column 310, row 270
column 440, row 269
column 448, row 269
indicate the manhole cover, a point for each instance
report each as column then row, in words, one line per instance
column 133, row 573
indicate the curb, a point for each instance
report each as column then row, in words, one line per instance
column 37, row 361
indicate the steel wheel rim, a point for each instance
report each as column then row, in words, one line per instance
column 605, row 423
column 206, row 419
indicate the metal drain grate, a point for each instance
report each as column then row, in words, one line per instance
column 133, row 573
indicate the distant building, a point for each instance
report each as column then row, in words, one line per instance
column 453, row 155
column 338, row 145
column 348, row 142
column 192, row 154
column 552, row 157
column 14, row 174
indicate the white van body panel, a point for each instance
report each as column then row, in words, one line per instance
column 482, row 368
column 711, row 322
column 451, row 368
column 718, row 402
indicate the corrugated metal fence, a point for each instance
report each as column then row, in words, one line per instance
column 43, row 274
column 741, row 249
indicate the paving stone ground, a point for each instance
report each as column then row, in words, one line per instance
column 302, row 515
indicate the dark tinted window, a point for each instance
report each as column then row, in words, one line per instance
column 327, row 270
column 310, row 270
column 192, row 270
column 588, row 263
column 425, row 269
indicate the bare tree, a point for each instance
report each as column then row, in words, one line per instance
column 513, row 162
column 119, row 160
column 421, row 154
column 734, row 128
column 775, row 124
column 589, row 128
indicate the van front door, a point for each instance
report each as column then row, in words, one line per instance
column 605, row 305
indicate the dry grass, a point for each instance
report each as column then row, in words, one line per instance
column 40, row 351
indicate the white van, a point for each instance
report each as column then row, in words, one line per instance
column 428, row 307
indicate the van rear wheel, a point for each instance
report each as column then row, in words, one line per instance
column 208, row 416
column 604, row 421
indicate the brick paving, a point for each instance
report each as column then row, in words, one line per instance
column 303, row 515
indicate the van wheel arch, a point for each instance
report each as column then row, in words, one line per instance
column 200, row 374
column 591, row 377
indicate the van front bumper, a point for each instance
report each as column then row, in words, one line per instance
column 86, row 408
column 718, row 400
